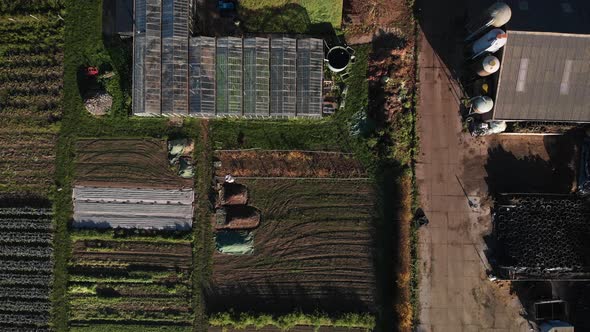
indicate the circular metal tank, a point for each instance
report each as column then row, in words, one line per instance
column 482, row 104
column 499, row 13
column 487, row 65
column 338, row 59
column 490, row 42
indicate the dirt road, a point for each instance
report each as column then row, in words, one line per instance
column 455, row 294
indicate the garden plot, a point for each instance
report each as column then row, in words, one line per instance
column 131, row 184
column 31, row 70
column 281, row 163
column 25, row 268
column 126, row 279
column 27, row 161
column 311, row 251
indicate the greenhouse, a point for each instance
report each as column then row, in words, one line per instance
column 175, row 74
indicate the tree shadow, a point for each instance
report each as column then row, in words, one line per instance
column 388, row 40
column 290, row 18
column 270, row 297
column 16, row 200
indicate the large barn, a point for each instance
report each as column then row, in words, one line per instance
column 545, row 71
column 176, row 74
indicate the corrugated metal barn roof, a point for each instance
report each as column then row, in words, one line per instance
column 544, row 77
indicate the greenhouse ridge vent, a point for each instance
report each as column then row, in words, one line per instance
column 175, row 74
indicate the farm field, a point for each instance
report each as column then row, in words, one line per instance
column 31, row 80
column 31, row 69
column 312, row 250
column 25, row 267
column 126, row 163
column 127, row 279
column 27, row 161
column 292, row 163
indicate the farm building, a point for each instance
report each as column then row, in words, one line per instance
column 545, row 63
column 176, row 74
column 96, row 207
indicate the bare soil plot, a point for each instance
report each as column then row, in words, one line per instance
column 523, row 164
column 135, row 163
column 312, row 250
column 362, row 18
column 27, row 161
column 279, row 163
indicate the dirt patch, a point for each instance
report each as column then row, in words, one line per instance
column 232, row 194
column 274, row 163
column 237, row 217
column 362, row 18
column 529, row 164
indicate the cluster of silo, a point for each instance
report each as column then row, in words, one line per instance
column 542, row 236
column 485, row 39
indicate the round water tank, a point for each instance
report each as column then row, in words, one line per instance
column 338, row 59
column 482, row 104
column 499, row 13
column 490, row 42
column 488, row 65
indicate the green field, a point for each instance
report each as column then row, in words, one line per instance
column 134, row 279
column 297, row 16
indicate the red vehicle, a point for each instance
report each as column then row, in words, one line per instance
column 91, row 71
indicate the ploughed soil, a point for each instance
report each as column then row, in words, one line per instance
column 134, row 163
column 313, row 250
column 274, row 163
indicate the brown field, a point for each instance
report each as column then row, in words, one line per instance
column 27, row 161
column 273, row 163
column 312, row 250
column 126, row 163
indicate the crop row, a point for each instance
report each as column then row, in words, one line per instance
column 24, row 306
column 25, row 251
column 29, row 212
column 13, row 279
column 35, row 319
column 34, row 62
column 25, row 238
column 30, row 225
column 11, row 292
column 38, row 266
